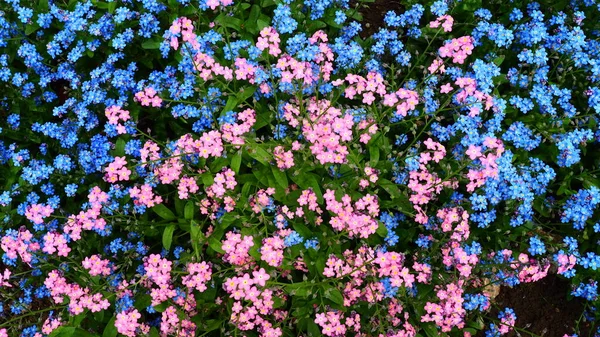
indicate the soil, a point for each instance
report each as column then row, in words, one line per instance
column 542, row 308
column 373, row 14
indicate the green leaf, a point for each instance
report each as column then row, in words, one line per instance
column 382, row 231
column 69, row 331
column 430, row 330
column 280, row 177
column 374, row 151
column 261, row 155
column 334, row 295
column 229, row 21
column 236, row 161
column 63, row 331
column 142, row 302
column 246, row 93
column 391, row 188
column 188, row 211
column 110, row 330
column 163, row 212
column 162, row 306
column 232, row 102
column 196, row 237
column 31, row 28
column 215, row 244
column 112, row 6
column 167, row 237
column 149, row 44
column 120, row 147
column 43, row 6
column 498, row 60
column 262, row 22
column 207, row 179
column 251, row 23
column 400, row 200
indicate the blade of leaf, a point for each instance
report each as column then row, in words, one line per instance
column 167, row 237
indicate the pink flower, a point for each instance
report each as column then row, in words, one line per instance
column 127, row 322
column 4, row 279
column 473, row 152
column 261, row 277
column 446, row 88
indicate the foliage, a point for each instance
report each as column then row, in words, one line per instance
column 257, row 168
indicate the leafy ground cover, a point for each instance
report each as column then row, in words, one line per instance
column 299, row 168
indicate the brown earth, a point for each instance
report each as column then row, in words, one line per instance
column 542, row 308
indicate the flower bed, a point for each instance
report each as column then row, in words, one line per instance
column 268, row 168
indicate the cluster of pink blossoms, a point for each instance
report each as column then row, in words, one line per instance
column 213, row 4
column 371, row 127
column 223, row 182
column 169, row 170
column 149, row 152
column 404, row 100
column 127, row 322
column 331, row 323
column 261, row 199
column 148, row 97
column 325, row 129
column 171, row 324
column 391, row 264
column 4, row 279
column 56, row 243
column 372, row 177
column 366, row 87
column 207, row 67
column 247, row 287
column 272, row 251
column 454, row 255
column 79, row 298
column 232, row 132
column 199, row 274
column 89, row 219
column 236, row 249
column 565, row 262
column 352, row 218
column 97, row 266
column 292, row 69
column 445, row 20
column 186, row 185
column 36, row 213
column 158, row 270
column 117, row 171
column 143, row 195
column 23, row 245
column 50, row 324
column 115, row 114
column 489, row 167
column 450, row 216
column 449, row 313
column 458, row 49
column 284, row 159
column 210, row 144
column 469, row 92
column 426, row 185
column 527, row 269
column 269, row 38
column 183, row 27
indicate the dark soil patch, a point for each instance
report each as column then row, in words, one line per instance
column 542, row 308
column 373, row 14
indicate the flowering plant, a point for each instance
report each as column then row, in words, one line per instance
column 264, row 168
